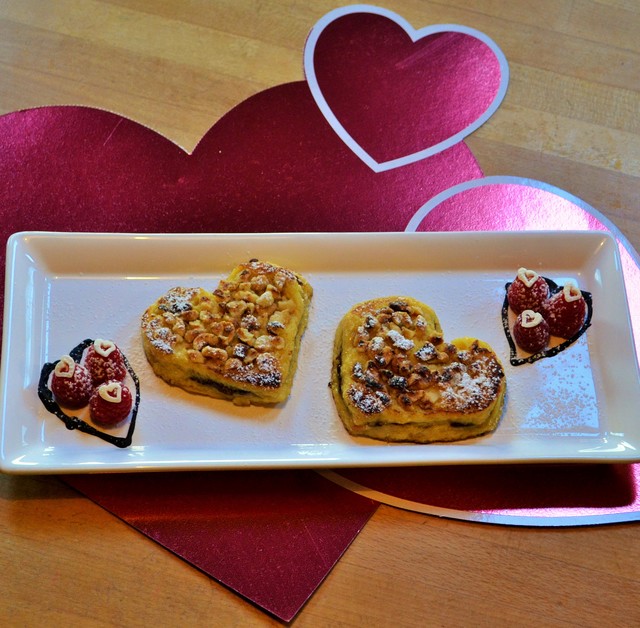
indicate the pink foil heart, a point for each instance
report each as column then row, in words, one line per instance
column 395, row 94
column 529, row 495
column 503, row 203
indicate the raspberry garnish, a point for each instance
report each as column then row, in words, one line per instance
column 528, row 291
column 110, row 403
column 105, row 362
column 71, row 383
column 531, row 331
column 566, row 311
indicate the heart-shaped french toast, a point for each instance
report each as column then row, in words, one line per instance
column 394, row 378
column 239, row 342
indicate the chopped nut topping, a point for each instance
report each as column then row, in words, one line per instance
column 250, row 322
column 233, row 364
column 265, row 299
column 195, row 356
column 407, row 360
column 238, row 329
column 214, row 353
column 245, row 336
column 204, row 340
column 259, row 284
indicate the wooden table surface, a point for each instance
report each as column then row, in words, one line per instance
column 570, row 118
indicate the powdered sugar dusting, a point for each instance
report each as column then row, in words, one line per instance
column 160, row 337
column 464, row 392
column 399, row 341
column 426, row 352
column 178, row 300
column 367, row 401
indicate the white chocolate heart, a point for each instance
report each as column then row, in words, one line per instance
column 531, row 319
column 111, row 392
column 527, row 277
column 65, row 367
column 104, row 347
column 571, row 292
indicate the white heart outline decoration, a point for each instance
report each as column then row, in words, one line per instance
column 496, row 180
column 105, row 391
column 415, row 35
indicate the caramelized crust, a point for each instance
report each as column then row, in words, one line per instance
column 239, row 342
column 395, row 378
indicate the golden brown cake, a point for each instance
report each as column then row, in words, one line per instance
column 394, row 378
column 239, row 342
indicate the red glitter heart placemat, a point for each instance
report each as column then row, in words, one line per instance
column 273, row 163
column 396, row 95
column 270, row 536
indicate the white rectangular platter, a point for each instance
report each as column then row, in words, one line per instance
column 579, row 406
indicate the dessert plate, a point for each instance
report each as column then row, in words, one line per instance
column 581, row 405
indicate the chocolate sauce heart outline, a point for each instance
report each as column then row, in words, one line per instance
column 76, row 423
column 548, row 352
column 415, row 35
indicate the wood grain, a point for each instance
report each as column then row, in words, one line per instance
column 570, row 118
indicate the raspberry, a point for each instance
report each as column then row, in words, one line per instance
column 565, row 311
column 110, row 403
column 105, row 362
column 531, row 331
column 71, row 383
column 528, row 291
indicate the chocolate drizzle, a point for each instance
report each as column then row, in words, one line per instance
column 76, row 423
column 550, row 352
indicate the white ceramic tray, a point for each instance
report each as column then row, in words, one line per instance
column 61, row 288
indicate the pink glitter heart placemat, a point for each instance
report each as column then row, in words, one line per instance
column 530, row 495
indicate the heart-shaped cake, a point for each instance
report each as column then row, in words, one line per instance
column 394, row 377
column 239, row 342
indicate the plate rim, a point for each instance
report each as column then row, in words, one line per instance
column 16, row 239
